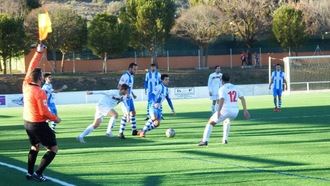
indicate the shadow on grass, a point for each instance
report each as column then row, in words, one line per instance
column 242, row 158
column 153, row 180
column 6, row 116
column 19, row 177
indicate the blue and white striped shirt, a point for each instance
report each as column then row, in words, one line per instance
column 128, row 79
column 278, row 79
column 152, row 79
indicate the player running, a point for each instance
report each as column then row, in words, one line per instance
column 152, row 79
column 105, row 107
column 227, row 110
column 128, row 102
column 158, row 95
column 35, row 114
column 279, row 85
column 214, row 83
column 48, row 88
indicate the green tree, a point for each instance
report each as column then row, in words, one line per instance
column 107, row 36
column 289, row 27
column 151, row 22
column 203, row 24
column 69, row 31
column 12, row 39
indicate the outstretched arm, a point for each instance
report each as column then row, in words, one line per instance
column 169, row 101
column 34, row 62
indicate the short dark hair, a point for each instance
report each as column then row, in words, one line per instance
column 278, row 64
column 153, row 65
column 163, row 76
column 216, row 66
column 36, row 75
column 124, row 87
column 131, row 65
column 46, row 75
column 225, row 77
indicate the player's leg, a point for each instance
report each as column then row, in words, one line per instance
column 148, row 106
column 153, row 122
column 98, row 118
column 279, row 100
column 208, row 128
column 275, row 94
column 124, row 119
column 113, row 117
column 34, row 150
column 47, row 139
column 226, row 130
column 132, row 116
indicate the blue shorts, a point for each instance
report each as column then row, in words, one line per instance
column 130, row 104
column 277, row 92
column 155, row 113
column 52, row 108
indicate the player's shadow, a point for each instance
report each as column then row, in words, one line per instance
column 152, row 180
column 20, row 176
column 241, row 158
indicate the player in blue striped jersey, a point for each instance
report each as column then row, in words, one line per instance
column 279, row 85
column 158, row 95
column 48, row 88
column 128, row 102
column 152, row 79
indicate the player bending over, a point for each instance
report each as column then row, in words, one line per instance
column 105, row 107
column 48, row 88
column 128, row 107
column 214, row 83
column 279, row 85
column 227, row 110
column 158, row 95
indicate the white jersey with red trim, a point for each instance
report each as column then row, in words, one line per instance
column 230, row 93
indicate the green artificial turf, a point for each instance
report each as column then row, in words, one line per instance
column 287, row 148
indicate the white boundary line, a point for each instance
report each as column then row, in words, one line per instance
column 24, row 171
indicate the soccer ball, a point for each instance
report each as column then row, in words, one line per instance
column 170, row 133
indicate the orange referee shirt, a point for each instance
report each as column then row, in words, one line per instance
column 35, row 99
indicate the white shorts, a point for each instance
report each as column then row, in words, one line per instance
column 102, row 111
column 226, row 115
column 215, row 95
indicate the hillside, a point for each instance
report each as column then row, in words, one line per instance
column 11, row 84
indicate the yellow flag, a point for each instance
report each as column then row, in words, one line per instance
column 44, row 25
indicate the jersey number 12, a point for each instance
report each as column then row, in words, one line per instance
column 232, row 96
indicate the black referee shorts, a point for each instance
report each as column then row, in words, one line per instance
column 40, row 132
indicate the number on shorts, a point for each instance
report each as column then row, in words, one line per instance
column 232, row 96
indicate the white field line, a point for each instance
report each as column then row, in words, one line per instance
column 24, row 171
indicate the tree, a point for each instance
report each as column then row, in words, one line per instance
column 151, row 22
column 203, row 24
column 107, row 36
column 247, row 23
column 11, row 39
column 288, row 27
column 68, row 30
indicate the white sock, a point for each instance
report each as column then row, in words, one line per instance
column 226, row 130
column 207, row 132
column 87, row 131
column 111, row 124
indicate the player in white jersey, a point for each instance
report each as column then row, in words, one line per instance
column 214, row 83
column 227, row 110
column 152, row 79
column 105, row 107
column 48, row 88
column 158, row 95
column 279, row 85
column 128, row 102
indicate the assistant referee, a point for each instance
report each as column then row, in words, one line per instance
column 36, row 114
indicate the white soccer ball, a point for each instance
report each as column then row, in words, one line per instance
column 170, row 133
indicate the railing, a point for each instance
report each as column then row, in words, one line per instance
column 310, row 86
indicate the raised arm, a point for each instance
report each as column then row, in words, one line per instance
column 34, row 62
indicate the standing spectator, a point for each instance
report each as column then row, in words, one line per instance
column 257, row 59
column 243, row 58
column 249, row 58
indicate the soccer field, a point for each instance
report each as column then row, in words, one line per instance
column 287, row 148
